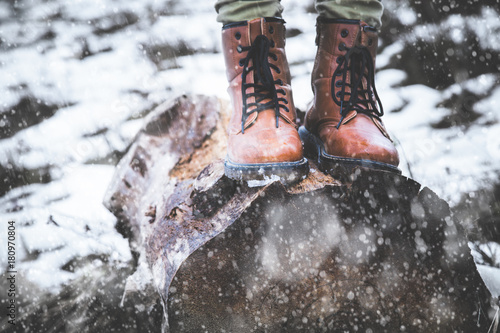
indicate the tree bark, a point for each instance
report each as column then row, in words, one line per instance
column 375, row 253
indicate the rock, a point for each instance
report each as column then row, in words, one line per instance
column 28, row 111
column 375, row 252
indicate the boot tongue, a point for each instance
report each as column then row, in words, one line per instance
column 258, row 68
column 356, row 70
column 255, row 28
column 259, row 55
column 259, row 90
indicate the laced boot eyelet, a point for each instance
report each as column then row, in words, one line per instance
column 339, row 84
column 272, row 43
column 338, row 94
column 280, row 82
column 342, row 46
column 278, row 71
column 339, row 59
column 239, row 49
column 271, row 29
column 241, row 63
column 237, row 35
column 344, row 33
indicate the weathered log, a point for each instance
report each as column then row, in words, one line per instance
column 375, row 253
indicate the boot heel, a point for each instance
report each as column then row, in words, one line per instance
column 312, row 148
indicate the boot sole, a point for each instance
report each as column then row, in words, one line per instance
column 337, row 166
column 288, row 172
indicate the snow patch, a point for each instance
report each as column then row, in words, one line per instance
column 491, row 277
column 267, row 180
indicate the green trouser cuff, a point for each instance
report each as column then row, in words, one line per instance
column 235, row 11
column 369, row 11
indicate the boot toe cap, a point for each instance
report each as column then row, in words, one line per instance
column 360, row 144
column 265, row 146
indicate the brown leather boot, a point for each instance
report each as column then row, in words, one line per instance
column 343, row 129
column 263, row 138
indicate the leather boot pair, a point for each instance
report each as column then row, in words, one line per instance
column 342, row 130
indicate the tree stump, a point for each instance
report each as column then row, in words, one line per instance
column 374, row 253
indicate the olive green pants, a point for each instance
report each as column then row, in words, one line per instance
column 369, row 11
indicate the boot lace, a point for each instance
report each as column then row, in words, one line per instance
column 358, row 62
column 264, row 83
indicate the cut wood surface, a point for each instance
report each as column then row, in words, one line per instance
column 376, row 253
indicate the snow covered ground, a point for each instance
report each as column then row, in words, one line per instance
column 79, row 76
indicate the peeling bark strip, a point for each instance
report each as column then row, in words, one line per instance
column 376, row 253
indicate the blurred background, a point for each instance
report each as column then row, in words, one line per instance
column 78, row 77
